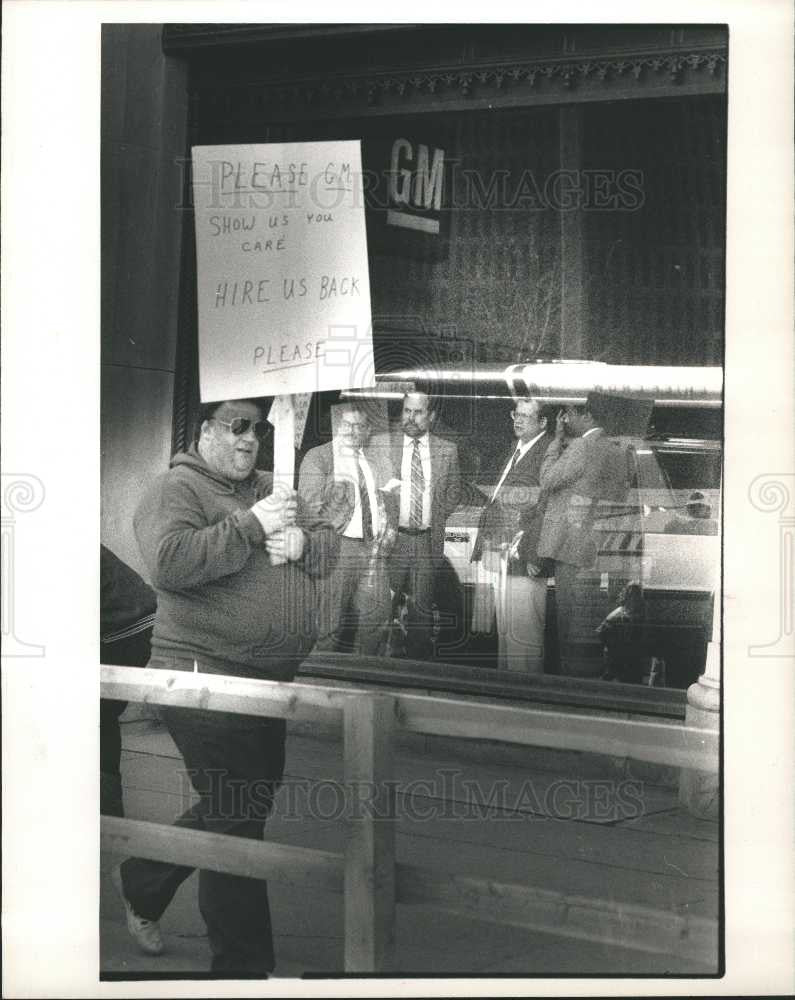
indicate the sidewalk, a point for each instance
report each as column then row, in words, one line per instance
column 662, row 858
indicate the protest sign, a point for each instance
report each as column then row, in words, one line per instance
column 283, row 283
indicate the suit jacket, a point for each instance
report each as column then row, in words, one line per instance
column 573, row 480
column 516, row 507
column 334, row 501
column 445, row 479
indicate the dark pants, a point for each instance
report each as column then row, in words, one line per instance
column 580, row 609
column 235, row 764
column 354, row 602
column 130, row 652
column 412, row 570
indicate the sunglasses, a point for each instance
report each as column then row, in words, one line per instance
column 240, row 425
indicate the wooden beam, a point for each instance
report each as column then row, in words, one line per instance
column 657, row 742
column 607, row 921
column 220, row 693
column 299, row 866
column 614, row 923
column 370, row 850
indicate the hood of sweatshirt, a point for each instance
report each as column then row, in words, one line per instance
column 191, row 459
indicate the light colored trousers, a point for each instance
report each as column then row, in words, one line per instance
column 521, row 603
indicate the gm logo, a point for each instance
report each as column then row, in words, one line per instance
column 416, row 185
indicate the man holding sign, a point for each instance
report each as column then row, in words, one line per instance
column 231, row 561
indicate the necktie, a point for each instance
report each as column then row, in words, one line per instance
column 367, row 513
column 511, row 467
column 417, row 488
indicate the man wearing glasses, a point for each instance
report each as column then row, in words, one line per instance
column 231, row 563
column 506, row 545
column 355, row 602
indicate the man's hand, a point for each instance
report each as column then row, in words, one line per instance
column 513, row 548
column 338, row 503
column 276, row 511
column 286, row 544
column 560, row 426
column 386, row 540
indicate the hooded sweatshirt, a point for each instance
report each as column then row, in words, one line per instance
column 219, row 599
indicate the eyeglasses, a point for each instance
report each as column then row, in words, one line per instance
column 240, row 425
column 516, row 415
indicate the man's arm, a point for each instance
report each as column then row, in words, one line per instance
column 321, row 534
column 324, row 500
column 179, row 548
column 562, row 468
column 312, row 478
column 451, row 485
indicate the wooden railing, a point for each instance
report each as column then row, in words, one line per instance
column 368, row 875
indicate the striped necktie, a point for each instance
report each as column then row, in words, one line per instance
column 417, row 488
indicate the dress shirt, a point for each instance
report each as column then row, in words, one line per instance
column 345, row 470
column 405, row 476
column 522, row 449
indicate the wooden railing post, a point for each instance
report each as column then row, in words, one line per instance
column 370, row 851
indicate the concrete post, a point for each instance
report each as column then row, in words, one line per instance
column 699, row 790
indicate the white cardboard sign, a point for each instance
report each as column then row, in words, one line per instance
column 283, row 282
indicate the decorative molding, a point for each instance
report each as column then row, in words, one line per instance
column 181, row 38
column 567, row 74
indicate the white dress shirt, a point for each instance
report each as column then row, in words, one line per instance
column 523, row 450
column 405, row 476
column 346, row 465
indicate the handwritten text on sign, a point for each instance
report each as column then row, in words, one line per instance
column 283, row 284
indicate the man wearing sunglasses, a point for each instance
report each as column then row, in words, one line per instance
column 208, row 529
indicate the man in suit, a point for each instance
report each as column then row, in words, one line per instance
column 574, row 479
column 355, row 604
column 429, row 491
column 506, row 545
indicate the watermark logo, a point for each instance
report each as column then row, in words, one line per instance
column 445, row 794
column 22, row 494
column 774, row 493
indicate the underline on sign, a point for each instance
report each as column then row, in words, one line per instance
column 346, row 190
column 283, row 368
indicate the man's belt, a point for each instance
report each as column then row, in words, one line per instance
column 413, row 531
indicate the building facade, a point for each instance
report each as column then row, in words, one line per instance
column 535, row 191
